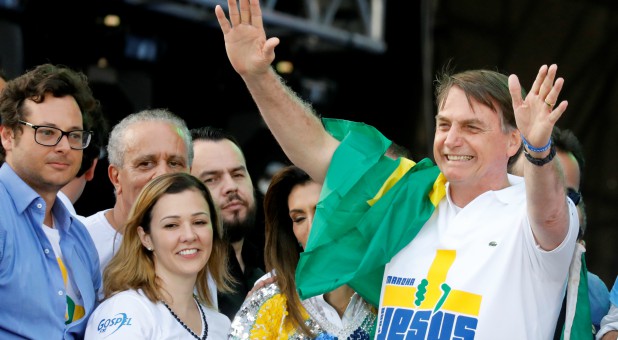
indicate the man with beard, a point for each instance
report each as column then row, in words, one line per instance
column 220, row 164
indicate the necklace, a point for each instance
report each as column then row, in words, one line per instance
column 205, row 334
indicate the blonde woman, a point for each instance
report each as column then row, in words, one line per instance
column 156, row 287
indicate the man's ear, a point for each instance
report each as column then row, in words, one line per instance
column 6, row 135
column 514, row 142
column 89, row 174
column 113, row 173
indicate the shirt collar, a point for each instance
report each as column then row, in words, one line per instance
column 24, row 196
column 506, row 195
column 21, row 193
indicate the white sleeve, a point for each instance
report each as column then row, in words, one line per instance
column 122, row 316
column 609, row 322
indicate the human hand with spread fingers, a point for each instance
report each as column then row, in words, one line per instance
column 245, row 39
column 537, row 114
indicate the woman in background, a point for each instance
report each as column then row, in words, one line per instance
column 275, row 311
column 156, row 285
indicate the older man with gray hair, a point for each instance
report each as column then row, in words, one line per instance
column 141, row 146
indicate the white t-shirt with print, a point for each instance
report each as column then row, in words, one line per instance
column 75, row 304
column 131, row 315
column 476, row 273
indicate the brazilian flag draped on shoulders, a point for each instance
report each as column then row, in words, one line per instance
column 371, row 207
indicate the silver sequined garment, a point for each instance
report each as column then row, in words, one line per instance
column 263, row 316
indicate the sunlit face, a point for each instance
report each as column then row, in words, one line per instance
column 222, row 167
column 302, row 203
column 469, row 145
column 45, row 168
column 153, row 149
column 181, row 235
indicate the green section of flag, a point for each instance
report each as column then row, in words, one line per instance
column 578, row 322
column 351, row 241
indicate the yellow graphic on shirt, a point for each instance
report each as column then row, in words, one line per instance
column 74, row 312
column 428, row 308
column 432, row 292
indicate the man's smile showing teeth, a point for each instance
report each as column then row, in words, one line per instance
column 458, row 158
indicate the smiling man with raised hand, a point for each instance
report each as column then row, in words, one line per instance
column 49, row 269
column 453, row 251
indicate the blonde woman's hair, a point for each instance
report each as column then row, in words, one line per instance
column 133, row 266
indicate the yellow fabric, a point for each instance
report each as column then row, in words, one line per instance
column 439, row 190
column 271, row 321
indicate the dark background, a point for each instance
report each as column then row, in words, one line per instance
column 392, row 89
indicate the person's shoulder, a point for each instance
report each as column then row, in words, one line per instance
column 126, row 314
column 596, row 284
column 514, row 193
column 66, row 202
column 264, row 307
column 215, row 317
column 96, row 217
column 130, row 299
column 97, row 223
column 13, row 188
column 270, row 293
column 125, row 295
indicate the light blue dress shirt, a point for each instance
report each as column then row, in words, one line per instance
column 32, row 291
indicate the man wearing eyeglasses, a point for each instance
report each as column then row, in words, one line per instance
column 49, row 267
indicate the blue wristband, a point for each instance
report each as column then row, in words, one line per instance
column 532, row 148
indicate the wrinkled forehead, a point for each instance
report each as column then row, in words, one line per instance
column 154, row 138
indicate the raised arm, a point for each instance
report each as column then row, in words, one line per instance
column 293, row 122
column 536, row 116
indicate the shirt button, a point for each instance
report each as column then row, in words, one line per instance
column 46, row 251
column 39, row 205
column 60, row 293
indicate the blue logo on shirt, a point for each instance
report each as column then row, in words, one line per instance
column 118, row 320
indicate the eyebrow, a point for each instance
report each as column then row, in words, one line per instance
column 72, row 128
column 192, row 215
column 217, row 172
column 464, row 122
column 144, row 158
column 177, row 157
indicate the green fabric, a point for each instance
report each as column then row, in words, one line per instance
column 582, row 322
column 351, row 241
